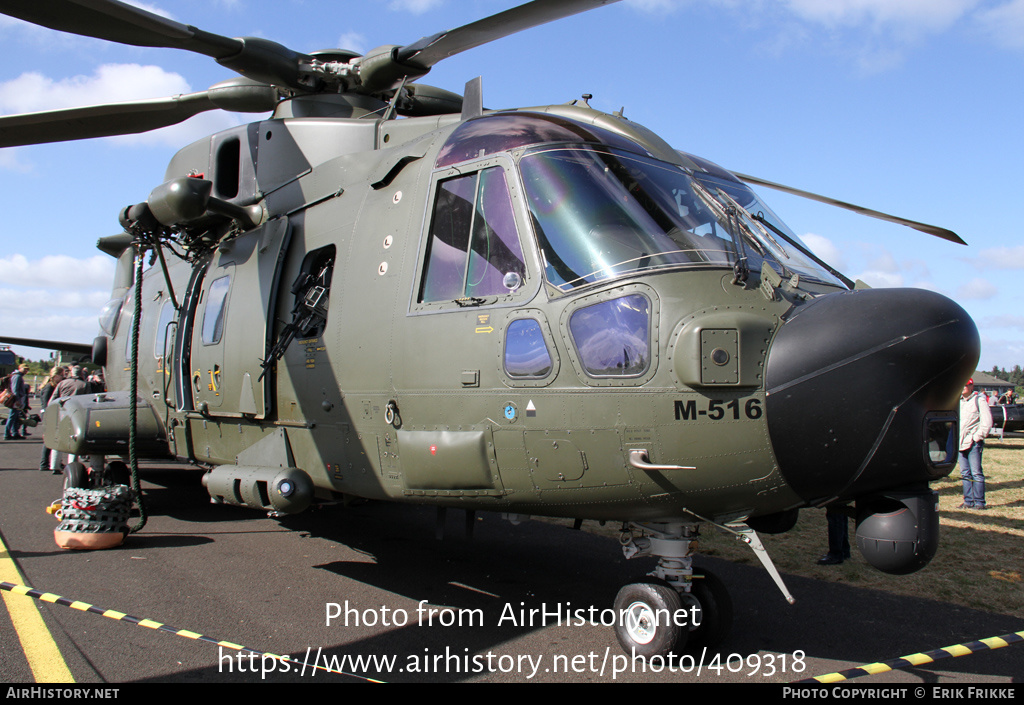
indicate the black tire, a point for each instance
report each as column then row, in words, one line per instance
column 75, row 475
column 118, row 473
column 646, row 624
column 715, row 608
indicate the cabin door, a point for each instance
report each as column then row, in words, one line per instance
column 231, row 320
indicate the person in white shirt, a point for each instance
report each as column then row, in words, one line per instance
column 975, row 423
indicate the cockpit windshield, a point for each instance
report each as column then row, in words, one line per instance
column 603, row 213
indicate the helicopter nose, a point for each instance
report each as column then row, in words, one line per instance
column 861, row 388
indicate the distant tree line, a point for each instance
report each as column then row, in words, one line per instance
column 1014, row 376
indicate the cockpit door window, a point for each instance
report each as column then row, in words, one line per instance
column 473, row 248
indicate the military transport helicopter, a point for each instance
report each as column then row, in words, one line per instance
column 386, row 291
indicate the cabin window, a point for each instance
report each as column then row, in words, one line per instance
column 613, row 337
column 166, row 316
column 473, row 246
column 526, row 353
column 213, row 317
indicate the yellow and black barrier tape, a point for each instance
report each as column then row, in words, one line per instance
column 955, row 651
column 151, row 624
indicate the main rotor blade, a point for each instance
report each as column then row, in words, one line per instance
column 236, row 94
column 255, row 58
column 923, row 227
column 429, row 50
column 78, row 348
column 101, row 120
column 119, row 22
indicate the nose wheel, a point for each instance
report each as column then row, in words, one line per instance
column 647, row 623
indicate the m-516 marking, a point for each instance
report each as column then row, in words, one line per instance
column 719, row 409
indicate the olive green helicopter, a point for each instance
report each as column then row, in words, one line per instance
column 386, row 291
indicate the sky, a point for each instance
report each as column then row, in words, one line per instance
column 912, row 107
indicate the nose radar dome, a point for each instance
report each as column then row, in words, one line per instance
column 851, row 379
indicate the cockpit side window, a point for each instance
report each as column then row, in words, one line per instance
column 473, row 247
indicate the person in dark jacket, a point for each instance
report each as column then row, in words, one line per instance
column 45, row 394
column 19, row 388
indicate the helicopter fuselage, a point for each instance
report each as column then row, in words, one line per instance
column 519, row 395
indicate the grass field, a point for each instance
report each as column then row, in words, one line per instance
column 979, row 564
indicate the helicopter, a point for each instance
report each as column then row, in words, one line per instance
column 386, row 291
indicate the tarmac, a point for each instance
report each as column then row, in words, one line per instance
column 502, row 606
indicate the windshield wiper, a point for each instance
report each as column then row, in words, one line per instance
column 729, row 217
column 759, row 217
column 768, row 236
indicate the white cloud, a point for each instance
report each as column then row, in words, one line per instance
column 9, row 161
column 879, row 279
column 111, row 83
column 38, row 299
column 654, row 5
column 910, row 15
column 353, row 41
column 416, row 7
column 55, row 297
column 825, row 249
column 1005, row 23
column 884, row 270
column 884, row 262
column 1000, row 258
column 977, row 289
column 873, row 34
column 1001, row 352
column 71, row 327
column 58, row 271
column 877, row 33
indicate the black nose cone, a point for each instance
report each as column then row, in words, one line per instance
column 854, row 380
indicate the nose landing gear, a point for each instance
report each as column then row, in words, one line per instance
column 676, row 606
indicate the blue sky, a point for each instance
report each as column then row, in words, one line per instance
column 913, row 107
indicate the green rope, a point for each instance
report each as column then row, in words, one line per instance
column 133, row 408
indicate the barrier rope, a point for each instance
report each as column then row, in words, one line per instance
column 158, row 626
column 955, row 651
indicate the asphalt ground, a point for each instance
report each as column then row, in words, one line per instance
column 235, row 575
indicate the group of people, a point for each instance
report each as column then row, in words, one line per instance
column 62, row 383
column 975, row 423
column 1007, row 397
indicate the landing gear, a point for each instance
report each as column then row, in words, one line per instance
column 715, row 619
column 117, row 473
column 75, row 475
column 677, row 606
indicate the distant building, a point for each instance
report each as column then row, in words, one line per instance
column 984, row 382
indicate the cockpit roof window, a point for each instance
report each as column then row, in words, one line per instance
column 501, row 132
